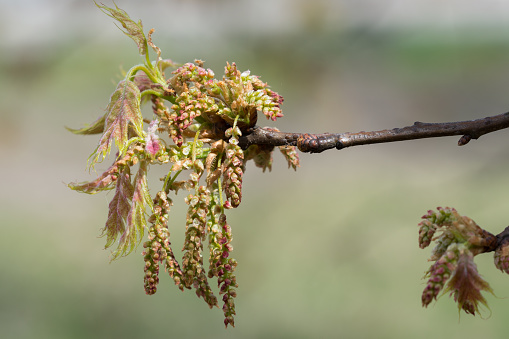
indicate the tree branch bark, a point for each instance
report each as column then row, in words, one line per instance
column 316, row 143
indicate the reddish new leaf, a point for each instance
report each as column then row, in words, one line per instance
column 136, row 222
column 123, row 111
column 103, row 183
column 119, row 209
column 466, row 285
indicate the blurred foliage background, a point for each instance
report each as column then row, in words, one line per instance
column 327, row 251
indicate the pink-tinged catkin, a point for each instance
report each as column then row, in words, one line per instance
column 438, row 274
column 222, row 265
column 157, row 248
column 426, row 231
column 192, row 261
column 291, row 155
column 233, row 174
column 195, row 233
column 226, row 281
column 443, row 216
column 151, row 269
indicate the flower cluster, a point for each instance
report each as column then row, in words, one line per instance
column 195, row 129
column 242, row 95
column 191, row 74
column 188, row 106
column 460, row 239
column 429, row 226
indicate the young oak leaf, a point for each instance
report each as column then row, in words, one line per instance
column 104, row 182
column 108, row 179
column 119, row 209
column 132, row 29
column 466, row 284
column 135, row 220
column 122, row 112
column 461, row 239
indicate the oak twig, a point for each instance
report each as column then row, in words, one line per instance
column 316, row 143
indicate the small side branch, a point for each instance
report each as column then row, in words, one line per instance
column 316, row 143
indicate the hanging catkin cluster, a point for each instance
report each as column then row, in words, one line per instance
column 194, row 131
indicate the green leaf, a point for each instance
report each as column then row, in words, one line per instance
column 95, row 128
column 123, row 111
column 132, row 29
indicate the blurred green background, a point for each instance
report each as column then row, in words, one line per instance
column 329, row 251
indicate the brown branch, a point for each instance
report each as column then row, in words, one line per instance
column 316, row 143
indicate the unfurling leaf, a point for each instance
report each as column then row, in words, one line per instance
column 136, row 222
column 122, row 112
column 132, row 29
column 127, row 211
column 104, row 182
column 466, row 284
column 119, row 209
column 459, row 239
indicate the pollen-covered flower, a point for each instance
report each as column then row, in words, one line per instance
column 152, row 142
